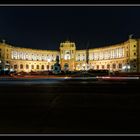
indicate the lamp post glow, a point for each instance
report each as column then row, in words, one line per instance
column 126, row 68
column 49, row 60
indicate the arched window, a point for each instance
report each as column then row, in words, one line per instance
column 27, row 66
column 103, row 67
column 97, row 66
column 108, row 66
column 114, row 66
column 21, row 66
column 120, row 65
column 42, row 67
column 47, row 67
column 37, row 67
column 32, row 66
column 15, row 67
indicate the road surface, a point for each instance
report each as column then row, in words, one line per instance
column 69, row 106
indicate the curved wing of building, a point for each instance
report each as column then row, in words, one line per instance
column 119, row 57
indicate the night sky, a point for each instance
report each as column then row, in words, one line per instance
column 46, row 27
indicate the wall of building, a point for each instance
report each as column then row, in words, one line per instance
column 138, row 55
column 24, row 59
column 118, row 57
column 124, row 56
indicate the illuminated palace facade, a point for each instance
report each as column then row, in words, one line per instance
column 119, row 57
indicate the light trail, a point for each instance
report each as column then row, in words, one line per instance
column 119, row 78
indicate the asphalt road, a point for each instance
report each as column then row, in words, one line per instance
column 69, row 106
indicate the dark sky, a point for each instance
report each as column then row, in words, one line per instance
column 46, row 27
